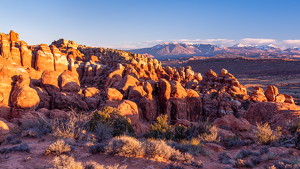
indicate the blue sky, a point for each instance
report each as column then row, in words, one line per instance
column 126, row 24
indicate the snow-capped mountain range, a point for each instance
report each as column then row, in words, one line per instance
column 181, row 49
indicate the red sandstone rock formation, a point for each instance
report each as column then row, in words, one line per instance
column 271, row 93
column 23, row 96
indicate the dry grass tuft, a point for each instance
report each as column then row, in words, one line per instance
column 265, row 135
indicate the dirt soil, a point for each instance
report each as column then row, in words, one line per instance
column 36, row 160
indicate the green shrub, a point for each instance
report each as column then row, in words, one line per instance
column 160, row 129
column 111, row 118
column 125, row 145
column 265, row 135
column 181, row 132
column 103, row 132
column 58, row 148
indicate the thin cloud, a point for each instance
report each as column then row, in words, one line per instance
column 257, row 41
column 226, row 42
column 293, row 43
column 133, row 45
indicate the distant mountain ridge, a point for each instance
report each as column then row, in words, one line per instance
column 175, row 50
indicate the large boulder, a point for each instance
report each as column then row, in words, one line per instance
column 5, row 111
column 127, row 82
column 136, row 93
column 4, row 131
column 68, row 100
column 231, row 122
column 280, row 98
column 177, row 91
column 68, row 82
column 23, row 96
column 35, row 76
column 45, row 99
column 288, row 99
column 92, row 92
column 49, row 81
column 258, row 95
column 129, row 109
column 274, row 113
column 92, row 97
column 271, row 93
column 113, row 94
column 114, row 78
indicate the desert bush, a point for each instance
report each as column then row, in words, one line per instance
column 241, row 163
column 265, row 135
column 125, row 145
column 9, row 138
column 181, row 132
column 225, row 159
column 103, row 132
column 98, row 148
column 294, row 127
column 122, row 125
column 236, row 142
column 18, row 141
column 58, row 148
column 174, row 166
column 201, row 128
column 246, row 153
column 111, row 117
column 210, row 136
column 160, row 129
column 269, row 156
column 35, row 127
column 256, row 160
column 295, row 160
column 95, row 165
column 21, row 148
column 66, row 162
column 193, row 146
column 73, row 127
column 264, row 150
column 196, row 164
column 285, row 164
column 159, row 148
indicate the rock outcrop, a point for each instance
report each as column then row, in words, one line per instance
column 274, row 113
column 23, row 96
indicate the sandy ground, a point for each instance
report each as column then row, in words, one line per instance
column 36, row 160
